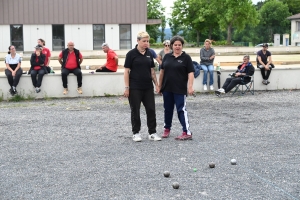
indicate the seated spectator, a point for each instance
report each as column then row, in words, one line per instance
column 70, row 60
column 13, row 69
column 264, row 64
column 207, row 56
column 46, row 52
column 246, row 68
column 38, row 68
column 111, row 64
column 166, row 50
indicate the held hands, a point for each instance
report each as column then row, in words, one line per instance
column 212, row 57
column 13, row 73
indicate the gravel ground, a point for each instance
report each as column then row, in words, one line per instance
column 81, row 148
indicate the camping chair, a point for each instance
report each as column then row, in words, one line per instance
column 249, row 85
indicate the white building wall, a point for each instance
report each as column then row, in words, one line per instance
column 81, row 35
column 135, row 28
column 31, row 33
column 112, row 36
column 4, row 38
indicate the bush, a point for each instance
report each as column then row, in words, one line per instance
column 151, row 41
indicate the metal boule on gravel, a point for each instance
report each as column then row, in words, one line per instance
column 212, row 165
column 175, row 185
column 167, row 174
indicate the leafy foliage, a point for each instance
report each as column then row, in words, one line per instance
column 155, row 10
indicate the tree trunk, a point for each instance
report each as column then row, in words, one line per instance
column 229, row 34
column 209, row 33
column 198, row 38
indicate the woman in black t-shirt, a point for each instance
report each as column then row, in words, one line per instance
column 176, row 81
column 139, row 76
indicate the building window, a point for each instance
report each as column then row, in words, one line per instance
column 98, row 36
column 58, row 35
column 298, row 26
column 16, row 36
column 125, row 37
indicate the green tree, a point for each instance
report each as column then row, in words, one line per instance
column 155, row 10
column 193, row 15
column 273, row 16
column 294, row 6
column 235, row 14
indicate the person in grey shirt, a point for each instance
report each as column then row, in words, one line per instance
column 207, row 56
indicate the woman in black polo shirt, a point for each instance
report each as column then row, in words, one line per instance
column 138, row 77
column 13, row 69
column 176, row 80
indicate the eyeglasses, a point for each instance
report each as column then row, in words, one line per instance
column 167, row 45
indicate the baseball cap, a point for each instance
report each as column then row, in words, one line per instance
column 265, row 45
column 38, row 46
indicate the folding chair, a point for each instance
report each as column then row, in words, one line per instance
column 249, row 85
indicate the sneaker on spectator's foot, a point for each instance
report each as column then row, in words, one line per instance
column 184, row 136
column 137, row 137
column 154, row 137
column 65, row 91
column 264, row 82
column 211, row 87
column 267, row 82
column 37, row 90
column 217, row 93
column 166, row 133
column 204, row 87
column 79, row 90
column 11, row 92
column 14, row 89
column 221, row 90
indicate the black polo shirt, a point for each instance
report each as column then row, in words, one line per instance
column 264, row 57
column 176, row 72
column 140, row 69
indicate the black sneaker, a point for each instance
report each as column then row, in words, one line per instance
column 11, row 92
column 267, row 82
column 14, row 90
column 217, row 93
column 37, row 90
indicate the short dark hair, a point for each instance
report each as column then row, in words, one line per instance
column 176, row 38
column 247, row 56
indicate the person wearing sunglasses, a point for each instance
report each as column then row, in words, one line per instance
column 165, row 51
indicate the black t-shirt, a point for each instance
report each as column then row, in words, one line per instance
column 176, row 72
column 140, row 69
column 264, row 57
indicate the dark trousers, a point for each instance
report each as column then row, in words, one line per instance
column 64, row 75
column 13, row 81
column 179, row 100
column 104, row 69
column 265, row 75
column 231, row 83
column 39, row 74
column 136, row 97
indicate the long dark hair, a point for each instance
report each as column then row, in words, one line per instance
column 43, row 41
column 9, row 48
